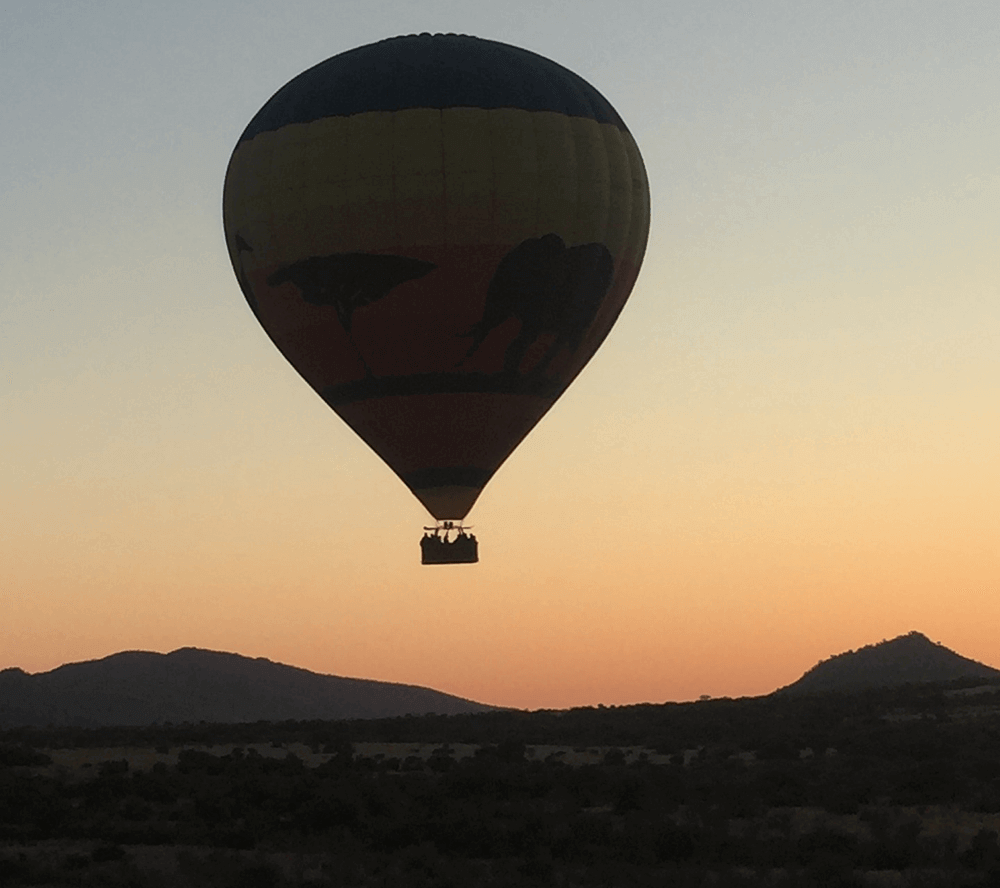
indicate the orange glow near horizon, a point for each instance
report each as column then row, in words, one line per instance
column 693, row 585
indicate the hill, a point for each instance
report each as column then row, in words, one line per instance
column 193, row 685
column 909, row 659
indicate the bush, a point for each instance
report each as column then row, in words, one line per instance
column 12, row 756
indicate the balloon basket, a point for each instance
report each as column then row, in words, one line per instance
column 448, row 543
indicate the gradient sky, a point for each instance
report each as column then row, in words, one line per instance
column 786, row 448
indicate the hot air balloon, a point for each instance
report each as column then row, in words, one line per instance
column 437, row 231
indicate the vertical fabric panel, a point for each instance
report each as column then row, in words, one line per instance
column 593, row 181
column 557, row 180
column 324, row 168
column 287, row 164
column 368, row 181
column 359, row 224
column 515, row 173
column 286, row 175
column 418, row 176
column 326, row 157
column 234, row 199
column 466, row 141
column 381, row 206
column 468, row 171
column 417, row 148
column 257, row 178
column 258, row 232
column 369, row 146
column 619, row 191
column 318, row 177
column 420, row 210
column 468, row 208
column 639, row 225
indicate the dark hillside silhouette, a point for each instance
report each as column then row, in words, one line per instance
column 909, row 659
column 192, row 685
column 137, row 688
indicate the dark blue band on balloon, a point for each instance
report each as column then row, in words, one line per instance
column 431, row 71
column 451, row 476
column 535, row 385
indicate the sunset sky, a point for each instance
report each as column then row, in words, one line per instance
column 786, row 448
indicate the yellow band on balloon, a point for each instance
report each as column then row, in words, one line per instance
column 384, row 181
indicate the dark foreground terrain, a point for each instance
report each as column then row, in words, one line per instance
column 881, row 788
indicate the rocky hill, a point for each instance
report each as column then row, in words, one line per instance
column 193, row 685
column 909, row 659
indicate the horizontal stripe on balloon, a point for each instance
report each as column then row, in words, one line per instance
column 431, row 71
column 383, row 181
column 447, row 476
column 442, row 383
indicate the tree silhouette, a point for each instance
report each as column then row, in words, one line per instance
column 349, row 281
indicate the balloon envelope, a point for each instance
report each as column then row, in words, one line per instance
column 437, row 231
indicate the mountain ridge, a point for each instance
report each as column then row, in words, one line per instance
column 190, row 685
column 911, row 658
column 194, row 684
